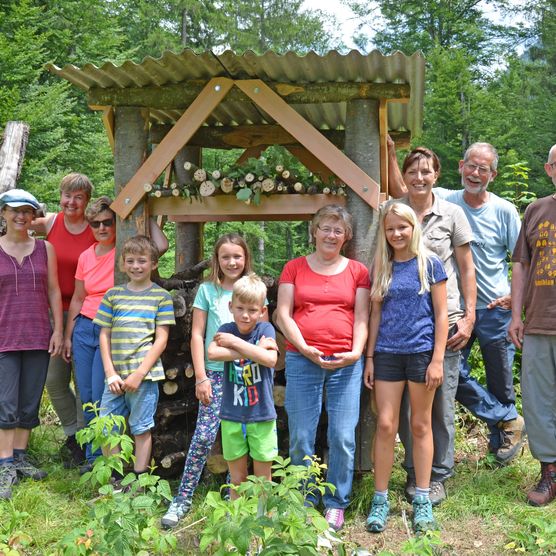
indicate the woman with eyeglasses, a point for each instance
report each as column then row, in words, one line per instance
column 93, row 277
column 28, row 291
column 323, row 311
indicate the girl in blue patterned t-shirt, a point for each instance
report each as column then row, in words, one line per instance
column 407, row 338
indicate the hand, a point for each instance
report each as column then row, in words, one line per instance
column 56, row 343
column 369, row 373
column 226, row 340
column 132, row 382
column 434, row 375
column 461, row 337
column 516, row 331
column 116, row 387
column 66, row 350
column 203, row 392
column 268, row 343
column 313, row 354
column 505, row 302
column 390, row 145
column 342, row 359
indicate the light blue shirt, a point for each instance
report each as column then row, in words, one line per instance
column 495, row 227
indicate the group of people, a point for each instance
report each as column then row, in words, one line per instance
column 405, row 329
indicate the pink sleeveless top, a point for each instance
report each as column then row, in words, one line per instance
column 24, row 319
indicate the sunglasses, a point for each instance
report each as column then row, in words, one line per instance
column 106, row 223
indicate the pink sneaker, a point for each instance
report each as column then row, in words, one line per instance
column 335, row 518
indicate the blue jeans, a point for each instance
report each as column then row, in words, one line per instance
column 305, row 384
column 497, row 402
column 89, row 371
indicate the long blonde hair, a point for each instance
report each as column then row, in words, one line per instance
column 382, row 265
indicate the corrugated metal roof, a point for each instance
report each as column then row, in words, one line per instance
column 354, row 67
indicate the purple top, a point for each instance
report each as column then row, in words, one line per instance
column 24, row 306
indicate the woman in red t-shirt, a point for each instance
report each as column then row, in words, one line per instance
column 323, row 311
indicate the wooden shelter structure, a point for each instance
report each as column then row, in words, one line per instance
column 333, row 112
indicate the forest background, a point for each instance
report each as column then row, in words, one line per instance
column 488, row 78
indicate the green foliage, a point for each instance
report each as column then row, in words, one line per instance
column 538, row 536
column 270, row 517
column 123, row 519
column 515, row 181
column 13, row 541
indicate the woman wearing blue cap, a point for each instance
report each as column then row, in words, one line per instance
column 28, row 289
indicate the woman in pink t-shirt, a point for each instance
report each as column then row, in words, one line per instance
column 323, row 311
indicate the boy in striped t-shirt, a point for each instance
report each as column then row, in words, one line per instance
column 135, row 319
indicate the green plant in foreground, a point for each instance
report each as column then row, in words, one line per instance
column 539, row 537
column 270, row 518
column 121, row 521
column 12, row 539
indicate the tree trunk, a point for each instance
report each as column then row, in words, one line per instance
column 12, row 153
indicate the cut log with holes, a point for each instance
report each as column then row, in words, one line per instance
column 268, row 185
column 226, row 185
column 200, row 175
column 207, row 188
column 172, row 459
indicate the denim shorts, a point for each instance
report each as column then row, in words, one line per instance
column 260, row 440
column 139, row 406
column 398, row 367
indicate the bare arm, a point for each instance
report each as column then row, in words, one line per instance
column 157, row 235
column 435, row 370
column 465, row 324
column 76, row 303
column 203, row 388
column 374, row 322
column 54, row 301
column 520, row 271
column 396, row 185
column 284, row 312
column 133, row 381
column 42, row 224
column 227, row 347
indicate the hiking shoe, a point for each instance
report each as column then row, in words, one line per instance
column 8, row 478
column 72, row 453
column 545, row 491
column 410, row 486
column 178, row 508
column 513, row 437
column 423, row 519
column 378, row 516
column 335, row 518
column 437, row 493
column 26, row 470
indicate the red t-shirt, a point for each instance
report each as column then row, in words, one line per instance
column 68, row 247
column 323, row 306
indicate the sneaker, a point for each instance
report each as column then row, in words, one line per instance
column 437, row 493
column 410, row 486
column 178, row 508
column 513, row 437
column 8, row 478
column 545, row 491
column 72, row 453
column 26, row 470
column 423, row 519
column 334, row 518
column 378, row 516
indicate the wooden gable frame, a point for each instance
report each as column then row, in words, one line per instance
column 318, row 149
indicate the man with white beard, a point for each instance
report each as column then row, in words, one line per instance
column 534, row 289
column 495, row 224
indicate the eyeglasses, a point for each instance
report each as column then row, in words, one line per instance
column 106, row 223
column 338, row 232
column 26, row 211
column 483, row 170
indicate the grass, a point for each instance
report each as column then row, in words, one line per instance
column 485, row 513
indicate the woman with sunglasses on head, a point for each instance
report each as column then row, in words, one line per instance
column 93, row 278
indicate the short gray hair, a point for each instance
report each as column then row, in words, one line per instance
column 487, row 147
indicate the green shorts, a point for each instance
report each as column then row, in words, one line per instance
column 259, row 440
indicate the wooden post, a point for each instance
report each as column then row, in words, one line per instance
column 362, row 146
column 189, row 243
column 129, row 153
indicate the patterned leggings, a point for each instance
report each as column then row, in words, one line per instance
column 208, row 422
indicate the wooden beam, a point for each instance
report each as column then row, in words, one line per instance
column 242, row 136
column 312, row 140
column 251, row 152
column 383, row 132
column 181, row 95
column 180, row 134
column 108, row 122
column 226, row 208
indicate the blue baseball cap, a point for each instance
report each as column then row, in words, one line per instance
column 18, row 198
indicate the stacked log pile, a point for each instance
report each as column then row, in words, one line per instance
column 176, row 414
column 248, row 183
